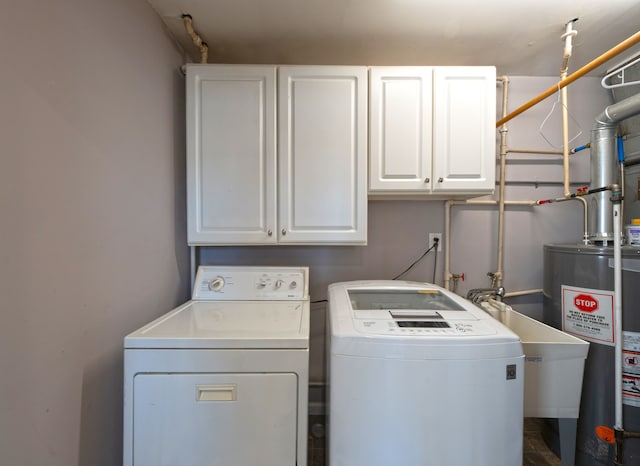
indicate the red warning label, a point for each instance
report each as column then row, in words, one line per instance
column 586, row 303
column 588, row 314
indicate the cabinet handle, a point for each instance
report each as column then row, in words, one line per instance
column 284, row 232
column 426, row 180
column 269, row 233
column 440, row 180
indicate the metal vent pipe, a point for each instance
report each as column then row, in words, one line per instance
column 604, row 165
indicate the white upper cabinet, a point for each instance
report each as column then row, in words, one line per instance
column 432, row 131
column 231, row 154
column 322, row 150
column 311, row 190
column 464, row 129
column 400, row 128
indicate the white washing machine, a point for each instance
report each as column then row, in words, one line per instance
column 223, row 379
column 419, row 376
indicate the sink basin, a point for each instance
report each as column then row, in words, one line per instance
column 554, row 364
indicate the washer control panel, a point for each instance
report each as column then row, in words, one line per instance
column 386, row 326
column 240, row 283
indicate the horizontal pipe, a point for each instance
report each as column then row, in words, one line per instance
column 578, row 149
column 615, row 113
column 618, row 49
column 511, row 294
column 534, row 151
column 494, row 202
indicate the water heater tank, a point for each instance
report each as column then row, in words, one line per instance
column 578, row 298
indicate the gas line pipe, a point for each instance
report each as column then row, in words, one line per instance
column 618, row 49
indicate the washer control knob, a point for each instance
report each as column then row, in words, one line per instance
column 279, row 284
column 293, row 285
column 216, row 284
column 261, row 284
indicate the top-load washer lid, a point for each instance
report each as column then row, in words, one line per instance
column 407, row 308
column 399, row 319
column 227, row 324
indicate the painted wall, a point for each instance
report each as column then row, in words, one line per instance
column 92, row 217
column 398, row 230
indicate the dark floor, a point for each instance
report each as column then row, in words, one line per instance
column 535, row 451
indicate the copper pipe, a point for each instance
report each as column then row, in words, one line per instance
column 618, row 49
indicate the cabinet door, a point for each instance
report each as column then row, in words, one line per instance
column 231, row 158
column 464, row 129
column 400, row 129
column 322, row 118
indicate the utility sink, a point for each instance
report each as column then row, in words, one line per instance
column 554, row 364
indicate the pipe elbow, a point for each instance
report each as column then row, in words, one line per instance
column 604, row 121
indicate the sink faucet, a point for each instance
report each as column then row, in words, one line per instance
column 477, row 295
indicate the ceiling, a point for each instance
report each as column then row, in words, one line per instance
column 519, row 37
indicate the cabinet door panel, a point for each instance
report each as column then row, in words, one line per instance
column 231, row 154
column 322, row 154
column 464, row 129
column 400, row 129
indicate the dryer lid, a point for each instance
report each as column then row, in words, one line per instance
column 227, row 324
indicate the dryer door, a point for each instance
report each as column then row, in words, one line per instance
column 215, row 419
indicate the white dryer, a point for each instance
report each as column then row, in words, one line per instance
column 419, row 376
column 223, row 379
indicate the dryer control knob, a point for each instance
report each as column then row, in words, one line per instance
column 279, row 284
column 216, row 284
column 293, row 285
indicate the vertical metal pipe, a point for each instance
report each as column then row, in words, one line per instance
column 603, row 173
column 447, row 244
column 617, row 296
column 501, row 193
column 620, row 147
column 604, row 164
column 565, row 137
column 192, row 265
column 585, row 220
column 568, row 36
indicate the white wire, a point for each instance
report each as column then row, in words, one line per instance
column 553, row 107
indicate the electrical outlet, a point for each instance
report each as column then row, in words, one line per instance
column 432, row 236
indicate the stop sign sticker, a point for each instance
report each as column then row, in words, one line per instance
column 586, row 303
column 588, row 314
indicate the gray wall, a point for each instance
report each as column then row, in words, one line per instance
column 92, row 235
